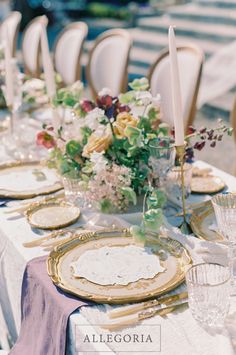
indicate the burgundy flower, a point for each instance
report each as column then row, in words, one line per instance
column 191, row 130
column 199, row 145
column 87, row 105
column 213, row 144
column 45, row 139
column 104, row 102
column 121, row 108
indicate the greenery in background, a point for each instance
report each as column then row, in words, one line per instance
column 100, row 10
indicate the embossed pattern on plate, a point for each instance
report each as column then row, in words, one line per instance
column 19, row 192
column 201, row 220
column 62, row 256
column 52, row 215
column 207, row 184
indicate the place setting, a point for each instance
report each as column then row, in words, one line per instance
column 110, row 226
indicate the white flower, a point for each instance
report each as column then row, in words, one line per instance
column 99, row 161
column 33, row 85
column 78, row 86
column 93, row 118
column 144, row 97
column 104, row 92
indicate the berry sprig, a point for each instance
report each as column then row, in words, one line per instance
column 203, row 136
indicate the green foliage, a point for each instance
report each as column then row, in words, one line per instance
column 73, row 149
column 129, row 193
column 139, row 84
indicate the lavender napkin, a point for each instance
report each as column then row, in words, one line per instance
column 45, row 313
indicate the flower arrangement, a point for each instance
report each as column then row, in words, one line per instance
column 106, row 145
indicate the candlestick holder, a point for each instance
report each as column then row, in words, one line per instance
column 180, row 152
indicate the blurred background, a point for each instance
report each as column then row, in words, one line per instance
column 210, row 24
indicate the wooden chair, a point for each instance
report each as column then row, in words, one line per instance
column 31, row 46
column 68, row 50
column 108, row 62
column 190, row 59
column 10, row 28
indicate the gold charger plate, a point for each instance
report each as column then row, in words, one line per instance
column 60, row 259
column 209, row 184
column 19, row 168
column 52, row 215
column 200, row 221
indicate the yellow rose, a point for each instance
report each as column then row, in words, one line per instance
column 97, row 143
column 123, row 120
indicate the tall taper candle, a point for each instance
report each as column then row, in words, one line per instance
column 47, row 64
column 9, row 80
column 175, row 90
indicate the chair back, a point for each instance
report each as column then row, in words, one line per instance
column 10, row 27
column 108, row 62
column 190, row 61
column 31, row 46
column 67, row 52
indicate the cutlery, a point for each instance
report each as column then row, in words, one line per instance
column 39, row 241
column 126, row 310
column 24, row 206
column 132, row 320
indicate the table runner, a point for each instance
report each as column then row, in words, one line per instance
column 45, row 313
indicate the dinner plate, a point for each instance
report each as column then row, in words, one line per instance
column 203, row 223
column 52, row 215
column 62, row 258
column 207, row 184
column 21, row 180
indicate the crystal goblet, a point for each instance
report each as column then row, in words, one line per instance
column 225, row 212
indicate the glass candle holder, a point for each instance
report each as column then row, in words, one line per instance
column 161, row 160
column 173, row 184
column 75, row 191
column 209, row 293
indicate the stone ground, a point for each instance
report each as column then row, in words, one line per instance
column 223, row 156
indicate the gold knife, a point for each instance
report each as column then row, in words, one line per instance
column 130, row 320
column 126, row 310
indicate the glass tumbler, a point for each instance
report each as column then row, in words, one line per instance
column 209, row 293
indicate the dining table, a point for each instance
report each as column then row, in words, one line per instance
column 176, row 333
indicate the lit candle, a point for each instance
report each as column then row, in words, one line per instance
column 9, row 80
column 47, row 64
column 175, row 90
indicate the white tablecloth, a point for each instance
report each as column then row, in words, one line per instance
column 180, row 334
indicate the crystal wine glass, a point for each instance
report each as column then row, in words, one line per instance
column 225, row 211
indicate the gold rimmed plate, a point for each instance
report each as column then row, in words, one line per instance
column 63, row 256
column 22, row 180
column 52, row 215
column 209, row 184
column 203, row 223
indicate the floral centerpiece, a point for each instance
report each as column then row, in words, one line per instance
column 106, row 146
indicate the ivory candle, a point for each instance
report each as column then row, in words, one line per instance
column 175, row 90
column 9, row 80
column 47, row 64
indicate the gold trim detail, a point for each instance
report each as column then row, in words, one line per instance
column 31, row 193
column 38, row 206
column 116, row 294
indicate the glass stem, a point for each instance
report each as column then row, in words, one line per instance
column 231, row 260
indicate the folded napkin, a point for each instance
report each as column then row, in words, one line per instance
column 45, row 313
